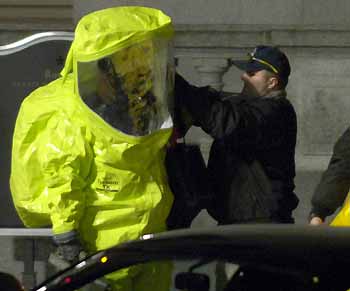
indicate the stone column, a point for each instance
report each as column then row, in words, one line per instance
column 211, row 71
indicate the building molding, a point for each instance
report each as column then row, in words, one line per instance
column 246, row 36
column 32, row 15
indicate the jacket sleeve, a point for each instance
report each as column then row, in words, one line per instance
column 255, row 123
column 335, row 182
column 50, row 162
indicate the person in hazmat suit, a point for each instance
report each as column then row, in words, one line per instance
column 89, row 148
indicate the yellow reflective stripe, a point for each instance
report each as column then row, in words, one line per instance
column 267, row 64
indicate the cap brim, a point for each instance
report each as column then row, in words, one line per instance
column 249, row 66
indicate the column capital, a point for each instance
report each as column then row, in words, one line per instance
column 211, row 70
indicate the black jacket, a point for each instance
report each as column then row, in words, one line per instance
column 335, row 182
column 251, row 163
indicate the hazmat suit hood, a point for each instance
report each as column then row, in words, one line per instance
column 123, row 69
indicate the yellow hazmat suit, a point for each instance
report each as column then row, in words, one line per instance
column 88, row 148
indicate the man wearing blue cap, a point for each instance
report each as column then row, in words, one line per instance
column 251, row 162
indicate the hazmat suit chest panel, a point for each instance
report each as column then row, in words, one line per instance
column 127, row 196
column 82, row 173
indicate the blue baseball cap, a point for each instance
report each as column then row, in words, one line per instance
column 268, row 58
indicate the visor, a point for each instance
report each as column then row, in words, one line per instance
column 254, row 64
column 249, row 66
column 132, row 88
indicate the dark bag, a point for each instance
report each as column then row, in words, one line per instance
column 188, row 180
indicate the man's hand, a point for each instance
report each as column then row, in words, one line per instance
column 316, row 221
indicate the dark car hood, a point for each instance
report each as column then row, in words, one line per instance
column 313, row 250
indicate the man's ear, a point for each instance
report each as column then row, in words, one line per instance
column 273, row 83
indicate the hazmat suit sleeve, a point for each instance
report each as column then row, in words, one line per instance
column 50, row 161
column 61, row 167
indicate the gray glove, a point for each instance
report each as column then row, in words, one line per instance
column 68, row 246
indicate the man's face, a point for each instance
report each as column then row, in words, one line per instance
column 105, row 89
column 257, row 84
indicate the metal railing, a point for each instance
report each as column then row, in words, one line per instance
column 33, row 40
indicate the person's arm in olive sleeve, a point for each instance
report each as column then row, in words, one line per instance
column 335, row 182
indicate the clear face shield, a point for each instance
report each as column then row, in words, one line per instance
column 132, row 89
